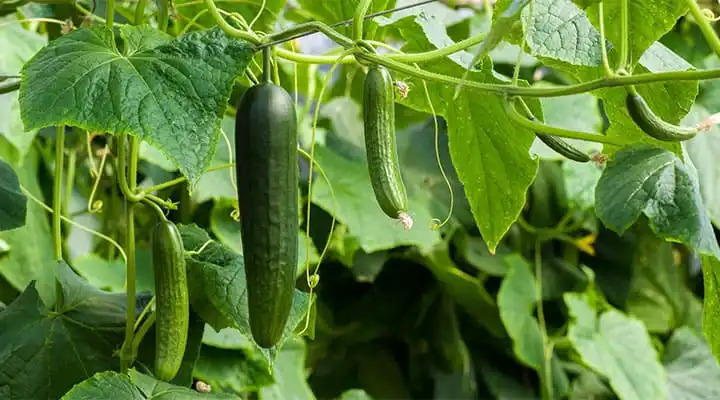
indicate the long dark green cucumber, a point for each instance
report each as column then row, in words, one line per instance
column 267, row 173
column 654, row 126
column 382, row 158
column 563, row 148
column 171, row 300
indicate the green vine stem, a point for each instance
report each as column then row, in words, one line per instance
column 126, row 352
column 546, row 374
column 532, row 124
column 110, row 14
column 182, row 179
column 57, row 208
column 397, row 62
column 69, row 179
column 163, row 14
column 359, row 18
column 624, row 35
column 129, row 194
column 140, row 12
column 704, row 25
column 603, row 44
column 57, row 191
column 141, row 332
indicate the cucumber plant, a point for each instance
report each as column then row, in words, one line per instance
column 168, row 76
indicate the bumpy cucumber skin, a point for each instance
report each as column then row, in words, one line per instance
column 267, row 173
column 563, row 148
column 171, row 298
column 642, row 115
column 382, row 158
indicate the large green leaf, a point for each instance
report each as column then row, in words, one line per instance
column 171, row 93
column 44, row 353
column 217, row 285
column 654, row 182
column 134, row 386
column 516, row 301
column 13, row 207
column 29, row 257
column 490, row 154
column 693, row 373
column 616, row 347
column 18, row 46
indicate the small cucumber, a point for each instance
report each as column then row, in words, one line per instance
column 563, row 148
column 267, row 173
column 654, row 126
column 171, row 299
column 382, row 159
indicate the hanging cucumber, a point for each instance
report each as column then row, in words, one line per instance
column 267, row 174
column 563, row 148
column 379, row 118
column 171, row 299
column 529, row 121
column 650, row 123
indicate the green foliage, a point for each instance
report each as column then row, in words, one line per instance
column 144, row 76
column 616, row 347
column 551, row 279
column 35, row 341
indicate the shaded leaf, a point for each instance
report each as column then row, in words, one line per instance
column 45, row 353
column 217, row 285
column 693, row 373
column 30, row 256
column 13, row 207
column 289, row 373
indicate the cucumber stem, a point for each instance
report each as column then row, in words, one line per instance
column 267, row 67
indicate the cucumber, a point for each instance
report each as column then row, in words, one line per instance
column 267, row 174
column 172, row 310
column 382, row 159
column 563, row 148
column 654, row 126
